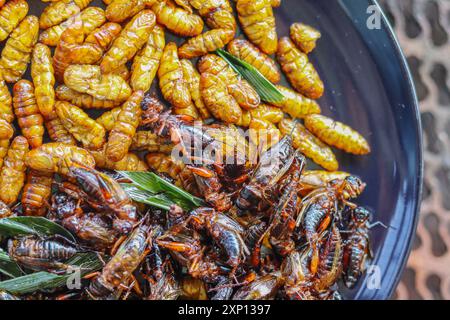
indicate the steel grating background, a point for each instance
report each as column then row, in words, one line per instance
column 423, row 28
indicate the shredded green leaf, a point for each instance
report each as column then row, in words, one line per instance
column 266, row 89
column 8, row 266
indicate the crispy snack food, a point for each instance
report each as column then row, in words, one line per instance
column 109, row 118
column 146, row 63
column 275, row 3
column 132, row 38
column 103, row 37
column 313, row 179
column 177, row 20
column 17, row 51
column 337, row 134
column 218, row 14
column 30, row 120
column 304, row 36
column 58, row 157
column 206, row 42
column 92, row 17
column 56, row 130
column 13, row 171
column 89, row 79
column 258, row 22
column 36, row 193
column 246, row 51
column 43, row 78
column 6, row 110
column 309, row 145
column 130, row 162
column 120, row 10
column 10, row 15
column 6, row 133
column 296, row 105
column 59, row 11
column 262, row 112
column 172, row 83
column 124, row 129
column 80, row 125
column 192, row 78
column 300, row 72
column 148, row 141
column 83, row 100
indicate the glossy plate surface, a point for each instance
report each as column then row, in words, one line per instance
column 368, row 86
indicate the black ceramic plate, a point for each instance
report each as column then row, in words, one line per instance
column 369, row 87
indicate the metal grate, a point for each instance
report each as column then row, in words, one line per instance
column 423, row 28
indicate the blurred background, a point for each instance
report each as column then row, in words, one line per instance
column 423, row 28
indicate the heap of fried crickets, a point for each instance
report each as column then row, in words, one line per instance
column 269, row 229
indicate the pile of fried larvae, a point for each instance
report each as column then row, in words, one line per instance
column 270, row 229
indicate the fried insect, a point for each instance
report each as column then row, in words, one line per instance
column 146, row 63
column 58, row 157
column 314, row 179
column 43, row 79
column 120, row 10
column 80, row 125
column 130, row 162
column 92, row 17
column 296, row 105
column 117, row 272
column 83, row 100
column 36, row 193
column 13, row 171
column 10, row 15
column 17, row 51
column 89, row 79
column 60, row 11
column 337, row 134
column 263, row 288
column 177, row 20
column 192, row 78
column 6, row 133
column 5, row 211
column 218, row 14
column 246, row 51
column 130, row 40
column 304, row 36
column 172, row 83
column 206, row 42
column 309, row 145
column 6, row 110
column 148, row 141
column 258, row 22
column 56, row 130
column 103, row 37
column 30, row 120
column 124, row 129
column 299, row 70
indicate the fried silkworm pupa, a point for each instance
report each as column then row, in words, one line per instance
column 258, row 22
column 146, row 63
column 301, row 73
column 36, row 193
column 218, row 14
column 6, row 133
column 149, row 141
column 83, row 100
column 337, row 134
column 309, row 145
column 206, row 42
column 80, row 125
column 17, row 51
column 275, row 3
column 177, row 20
column 30, row 120
column 43, row 78
column 313, row 179
column 57, row 157
column 296, row 105
column 304, row 36
column 109, row 118
column 92, row 18
column 192, row 78
column 13, row 171
column 103, row 36
column 124, row 129
column 6, row 110
column 56, row 130
column 246, row 51
column 89, row 79
column 172, row 83
column 10, row 15
column 120, row 10
column 130, row 162
column 130, row 40
column 59, row 11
